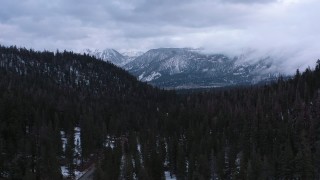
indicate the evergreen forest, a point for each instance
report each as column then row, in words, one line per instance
column 63, row 113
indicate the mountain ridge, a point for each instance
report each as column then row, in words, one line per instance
column 176, row 68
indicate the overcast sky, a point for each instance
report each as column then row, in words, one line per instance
column 288, row 29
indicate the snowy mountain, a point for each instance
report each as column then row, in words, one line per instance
column 110, row 55
column 131, row 55
column 189, row 68
column 113, row 56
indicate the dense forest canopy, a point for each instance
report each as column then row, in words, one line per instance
column 130, row 130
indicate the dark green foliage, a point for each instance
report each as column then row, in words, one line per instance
column 109, row 168
column 258, row 132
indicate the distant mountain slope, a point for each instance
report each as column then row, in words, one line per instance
column 131, row 55
column 110, row 55
column 188, row 68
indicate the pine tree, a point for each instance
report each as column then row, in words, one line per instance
column 181, row 163
column 69, row 154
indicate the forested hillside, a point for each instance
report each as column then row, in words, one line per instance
column 62, row 112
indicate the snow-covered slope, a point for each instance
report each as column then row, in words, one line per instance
column 110, row 55
column 132, row 54
column 188, row 68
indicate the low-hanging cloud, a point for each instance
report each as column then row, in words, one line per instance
column 287, row 30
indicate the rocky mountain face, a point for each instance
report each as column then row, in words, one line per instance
column 183, row 68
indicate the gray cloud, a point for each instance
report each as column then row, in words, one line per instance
column 248, row 1
column 285, row 29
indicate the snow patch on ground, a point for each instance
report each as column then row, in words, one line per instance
column 64, row 171
column 65, row 174
column 168, row 177
column 77, row 141
column 78, row 174
column 64, row 140
column 139, row 148
column 139, row 153
column 77, row 151
column 109, row 142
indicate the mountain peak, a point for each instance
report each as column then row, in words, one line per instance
column 110, row 55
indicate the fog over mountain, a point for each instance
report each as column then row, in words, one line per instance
column 187, row 68
column 285, row 29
